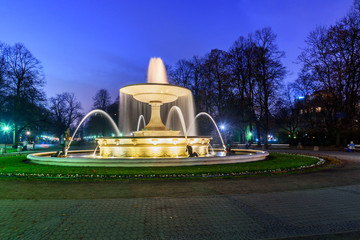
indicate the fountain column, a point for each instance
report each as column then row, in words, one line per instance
column 155, row 123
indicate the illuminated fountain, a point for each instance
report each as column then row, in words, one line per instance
column 155, row 144
column 155, row 140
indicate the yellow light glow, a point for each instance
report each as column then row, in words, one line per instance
column 151, row 147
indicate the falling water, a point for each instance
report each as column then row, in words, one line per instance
column 187, row 106
column 156, row 71
column 130, row 109
column 180, row 116
column 95, row 150
column 84, row 118
column 141, row 117
column 213, row 121
column 212, row 150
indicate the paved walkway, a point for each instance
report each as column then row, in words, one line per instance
column 321, row 205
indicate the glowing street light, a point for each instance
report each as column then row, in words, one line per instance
column 222, row 127
column 5, row 129
column 28, row 133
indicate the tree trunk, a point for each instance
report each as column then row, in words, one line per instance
column 266, row 138
column 258, row 133
column 266, row 131
column 338, row 138
column 15, row 136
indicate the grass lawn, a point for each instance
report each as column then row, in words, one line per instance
column 276, row 162
column 10, row 150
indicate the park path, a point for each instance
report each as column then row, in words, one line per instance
column 300, row 205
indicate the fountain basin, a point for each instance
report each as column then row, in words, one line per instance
column 155, row 92
column 152, row 147
column 85, row 158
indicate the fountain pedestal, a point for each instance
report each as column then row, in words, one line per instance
column 155, row 127
column 155, row 123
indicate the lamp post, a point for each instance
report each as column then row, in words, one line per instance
column 5, row 130
column 223, row 128
column 250, row 136
column 25, row 143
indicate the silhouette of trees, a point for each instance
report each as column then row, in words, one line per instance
column 238, row 86
column 2, row 74
column 241, row 61
column 331, row 61
column 216, row 73
column 269, row 72
column 21, row 94
column 102, row 100
column 65, row 111
column 182, row 74
column 97, row 124
column 190, row 74
column 287, row 116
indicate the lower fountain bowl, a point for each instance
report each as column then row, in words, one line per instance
column 152, row 147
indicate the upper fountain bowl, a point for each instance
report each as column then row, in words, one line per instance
column 155, row 92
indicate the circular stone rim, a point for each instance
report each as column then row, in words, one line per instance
column 44, row 158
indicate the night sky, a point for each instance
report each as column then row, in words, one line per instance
column 88, row 45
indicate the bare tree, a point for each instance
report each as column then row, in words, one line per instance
column 305, row 84
column 196, row 64
column 239, row 85
column 332, row 60
column 102, row 100
column 242, row 67
column 269, row 74
column 23, row 84
column 287, row 115
column 181, row 75
column 189, row 74
column 65, row 111
column 218, row 78
column 2, row 74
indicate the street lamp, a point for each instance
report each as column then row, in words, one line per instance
column 26, row 141
column 5, row 130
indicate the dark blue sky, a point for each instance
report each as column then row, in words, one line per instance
column 88, row 45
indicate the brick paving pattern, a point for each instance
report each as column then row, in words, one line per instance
column 243, row 216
